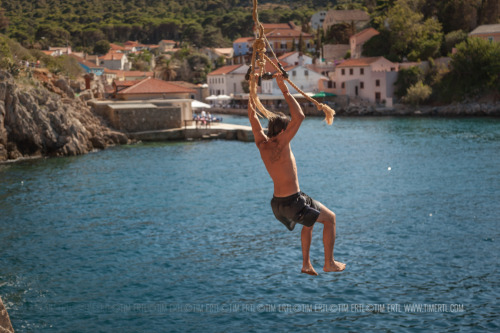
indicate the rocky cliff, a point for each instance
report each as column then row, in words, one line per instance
column 44, row 118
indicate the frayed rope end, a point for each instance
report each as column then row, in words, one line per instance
column 329, row 113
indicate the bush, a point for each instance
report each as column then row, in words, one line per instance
column 406, row 79
column 417, row 93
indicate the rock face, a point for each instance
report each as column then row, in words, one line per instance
column 5, row 325
column 48, row 121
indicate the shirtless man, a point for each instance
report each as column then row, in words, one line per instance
column 289, row 204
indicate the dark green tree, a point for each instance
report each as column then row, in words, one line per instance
column 474, row 70
column 406, row 79
column 4, row 21
column 102, row 47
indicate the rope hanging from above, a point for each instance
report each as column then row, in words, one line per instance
column 259, row 59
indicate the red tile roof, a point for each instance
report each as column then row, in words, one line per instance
column 286, row 55
column 155, row 86
column 368, row 31
column 116, row 47
column 124, row 84
column 361, row 62
column 287, row 33
column 244, row 40
column 128, row 73
column 112, row 56
column 225, row 70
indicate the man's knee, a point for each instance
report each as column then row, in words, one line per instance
column 326, row 216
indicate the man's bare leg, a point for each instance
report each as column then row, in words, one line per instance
column 305, row 239
column 327, row 217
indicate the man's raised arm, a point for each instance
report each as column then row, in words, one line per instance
column 257, row 130
column 295, row 110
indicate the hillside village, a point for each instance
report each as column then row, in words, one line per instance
column 340, row 70
column 337, row 73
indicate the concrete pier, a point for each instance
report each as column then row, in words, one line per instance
column 192, row 132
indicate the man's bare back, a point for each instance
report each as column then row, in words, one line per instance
column 279, row 160
column 280, row 164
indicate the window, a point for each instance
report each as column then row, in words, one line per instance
column 377, row 83
column 362, row 85
column 343, row 71
column 283, row 45
column 361, row 71
column 294, row 73
column 351, row 71
column 335, row 85
column 393, row 69
column 377, row 96
column 306, row 73
column 330, row 84
column 343, row 85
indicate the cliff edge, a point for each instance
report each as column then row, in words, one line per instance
column 44, row 118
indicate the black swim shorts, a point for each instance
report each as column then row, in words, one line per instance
column 297, row 208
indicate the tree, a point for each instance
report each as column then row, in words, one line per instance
column 451, row 39
column 168, row 69
column 417, row 93
column 102, row 47
column 406, row 79
column 52, row 35
column 339, row 33
column 193, row 33
column 475, row 69
column 302, row 44
column 4, row 22
column 410, row 35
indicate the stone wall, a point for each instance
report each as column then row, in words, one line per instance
column 142, row 118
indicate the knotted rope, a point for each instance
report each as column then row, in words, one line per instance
column 260, row 58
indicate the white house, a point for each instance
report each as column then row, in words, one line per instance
column 317, row 19
column 166, row 44
column 227, row 80
column 303, row 76
column 117, row 61
column 369, row 78
column 296, row 58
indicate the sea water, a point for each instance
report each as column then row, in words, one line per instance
column 175, row 237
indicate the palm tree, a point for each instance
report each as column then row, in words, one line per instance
column 167, row 69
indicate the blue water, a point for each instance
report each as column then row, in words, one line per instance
column 175, row 237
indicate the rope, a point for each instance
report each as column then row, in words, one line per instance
column 259, row 57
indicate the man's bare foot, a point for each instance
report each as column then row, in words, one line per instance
column 308, row 270
column 335, row 266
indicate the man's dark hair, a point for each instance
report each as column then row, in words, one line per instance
column 277, row 124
